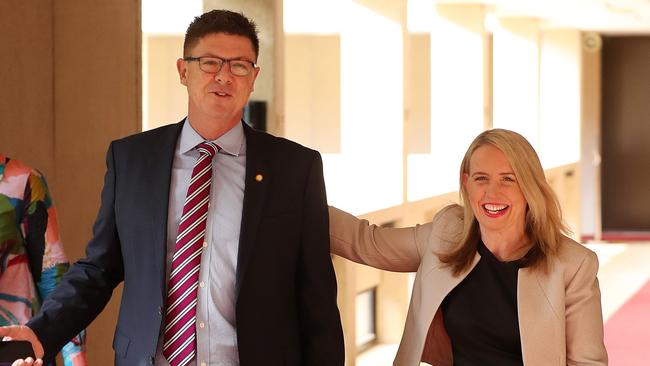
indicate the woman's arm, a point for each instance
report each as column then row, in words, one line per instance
column 42, row 228
column 584, row 319
column 391, row 249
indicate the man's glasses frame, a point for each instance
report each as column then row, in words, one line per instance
column 213, row 64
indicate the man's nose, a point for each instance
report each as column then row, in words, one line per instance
column 223, row 75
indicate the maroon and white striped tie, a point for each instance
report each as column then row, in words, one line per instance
column 179, row 347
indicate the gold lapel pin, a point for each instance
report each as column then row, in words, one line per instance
column 259, row 177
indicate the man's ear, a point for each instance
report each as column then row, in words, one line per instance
column 256, row 72
column 181, row 66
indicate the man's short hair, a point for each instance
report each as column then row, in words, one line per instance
column 220, row 21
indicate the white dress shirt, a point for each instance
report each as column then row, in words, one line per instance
column 216, row 331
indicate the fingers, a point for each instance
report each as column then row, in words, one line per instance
column 23, row 333
column 28, row 362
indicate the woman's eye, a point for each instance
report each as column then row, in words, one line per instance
column 509, row 179
column 480, row 178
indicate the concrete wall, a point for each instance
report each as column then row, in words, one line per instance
column 71, row 83
column 312, row 89
column 165, row 98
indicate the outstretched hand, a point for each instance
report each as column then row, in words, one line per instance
column 24, row 333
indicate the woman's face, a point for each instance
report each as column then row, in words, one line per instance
column 493, row 191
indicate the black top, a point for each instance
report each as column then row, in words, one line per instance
column 480, row 314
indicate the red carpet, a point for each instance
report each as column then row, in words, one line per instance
column 627, row 332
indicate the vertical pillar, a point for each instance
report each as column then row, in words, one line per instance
column 590, row 149
column 26, row 105
column 516, row 76
column 97, row 98
column 457, row 102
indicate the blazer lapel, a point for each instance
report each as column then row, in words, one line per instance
column 160, row 160
column 539, row 317
column 429, row 290
column 256, row 185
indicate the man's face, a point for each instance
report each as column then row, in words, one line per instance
column 218, row 96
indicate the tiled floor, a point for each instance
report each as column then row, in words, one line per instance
column 624, row 270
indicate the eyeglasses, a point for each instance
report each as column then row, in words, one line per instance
column 213, row 65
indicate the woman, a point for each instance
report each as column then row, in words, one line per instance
column 33, row 259
column 498, row 282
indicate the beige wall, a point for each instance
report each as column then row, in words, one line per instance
column 417, row 128
column 565, row 181
column 165, row 97
column 71, row 83
column 590, row 149
column 312, row 89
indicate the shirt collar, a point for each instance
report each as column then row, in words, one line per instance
column 232, row 142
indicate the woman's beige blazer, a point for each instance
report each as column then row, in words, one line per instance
column 560, row 316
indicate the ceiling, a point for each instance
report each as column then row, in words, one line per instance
column 604, row 16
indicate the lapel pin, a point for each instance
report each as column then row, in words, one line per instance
column 259, row 177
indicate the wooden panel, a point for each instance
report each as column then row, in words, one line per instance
column 97, row 73
column 26, row 121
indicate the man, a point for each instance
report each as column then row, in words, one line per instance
column 260, row 289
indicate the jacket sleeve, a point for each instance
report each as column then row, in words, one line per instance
column 320, row 324
column 43, row 239
column 584, row 319
column 391, row 249
column 87, row 286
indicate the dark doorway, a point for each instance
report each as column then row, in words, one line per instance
column 626, row 136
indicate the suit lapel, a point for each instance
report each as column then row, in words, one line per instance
column 436, row 282
column 256, row 185
column 160, row 160
column 539, row 316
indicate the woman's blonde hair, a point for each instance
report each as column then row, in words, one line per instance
column 544, row 225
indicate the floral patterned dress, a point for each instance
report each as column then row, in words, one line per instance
column 32, row 259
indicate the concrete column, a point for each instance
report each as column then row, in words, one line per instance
column 560, row 115
column 516, row 76
column 590, row 149
column 457, row 98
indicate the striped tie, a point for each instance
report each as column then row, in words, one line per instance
column 179, row 347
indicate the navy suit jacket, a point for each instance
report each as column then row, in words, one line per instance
column 286, row 309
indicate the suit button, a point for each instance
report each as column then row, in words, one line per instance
column 152, row 360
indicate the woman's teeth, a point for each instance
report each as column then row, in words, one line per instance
column 494, row 209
